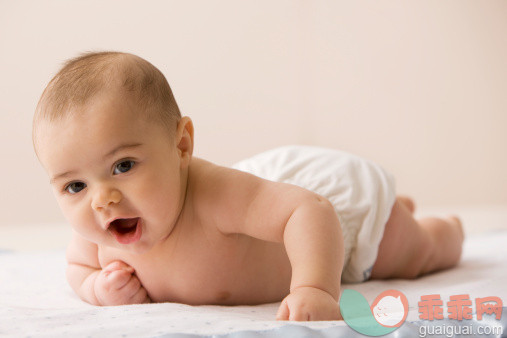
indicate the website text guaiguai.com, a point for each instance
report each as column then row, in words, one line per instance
column 453, row 330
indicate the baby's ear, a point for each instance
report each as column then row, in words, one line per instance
column 185, row 139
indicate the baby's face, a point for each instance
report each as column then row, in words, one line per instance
column 105, row 163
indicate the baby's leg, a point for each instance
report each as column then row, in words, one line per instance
column 411, row 248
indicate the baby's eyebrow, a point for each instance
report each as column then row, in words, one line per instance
column 109, row 154
column 56, row 177
column 121, row 147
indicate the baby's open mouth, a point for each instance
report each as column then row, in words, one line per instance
column 126, row 230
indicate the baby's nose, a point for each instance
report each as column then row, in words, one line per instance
column 105, row 197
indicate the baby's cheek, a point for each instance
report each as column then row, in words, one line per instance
column 160, row 193
column 82, row 220
column 72, row 212
column 163, row 204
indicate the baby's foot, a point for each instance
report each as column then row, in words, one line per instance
column 408, row 202
column 456, row 222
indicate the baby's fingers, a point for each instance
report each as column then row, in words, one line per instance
column 130, row 288
column 283, row 311
column 140, row 296
column 299, row 315
column 118, row 265
column 118, row 279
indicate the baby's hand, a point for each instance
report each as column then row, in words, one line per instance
column 116, row 285
column 308, row 303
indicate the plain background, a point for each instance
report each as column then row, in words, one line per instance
column 417, row 86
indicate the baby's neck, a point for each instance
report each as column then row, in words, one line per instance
column 191, row 180
column 197, row 172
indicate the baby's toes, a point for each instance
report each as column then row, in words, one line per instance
column 407, row 202
column 456, row 221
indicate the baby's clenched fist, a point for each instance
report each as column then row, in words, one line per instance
column 308, row 303
column 116, row 284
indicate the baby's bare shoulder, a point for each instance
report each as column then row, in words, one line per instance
column 212, row 181
column 239, row 202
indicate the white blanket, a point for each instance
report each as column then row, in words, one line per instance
column 35, row 300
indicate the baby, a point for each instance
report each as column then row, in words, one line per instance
column 152, row 223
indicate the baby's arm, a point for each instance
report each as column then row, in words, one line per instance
column 114, row 285
column 307, row 225
column 314, row 244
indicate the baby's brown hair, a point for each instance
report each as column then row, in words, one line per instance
column 85, row 76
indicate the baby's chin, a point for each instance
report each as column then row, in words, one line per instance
column 108, row 241
column 137, row 249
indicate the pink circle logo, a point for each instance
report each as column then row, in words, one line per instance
column 390, row 308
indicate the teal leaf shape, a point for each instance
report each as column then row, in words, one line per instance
column 357, row 314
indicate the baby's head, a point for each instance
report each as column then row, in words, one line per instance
column 109, row 133
column 91, row 75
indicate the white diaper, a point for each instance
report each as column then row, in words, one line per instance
column 361, row 192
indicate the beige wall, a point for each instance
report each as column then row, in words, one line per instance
column 419, row 87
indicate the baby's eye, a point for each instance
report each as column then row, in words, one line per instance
column 123, row 167
column 75, row 187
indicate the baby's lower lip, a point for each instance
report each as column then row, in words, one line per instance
column 128, row 237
